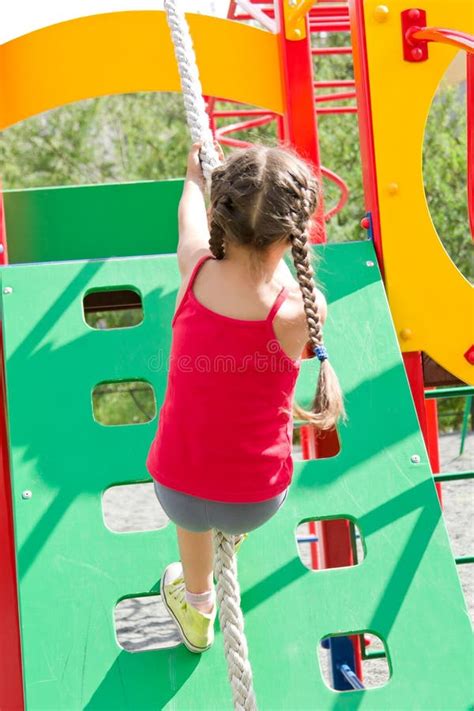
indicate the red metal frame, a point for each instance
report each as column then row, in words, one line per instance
column 342, row 185
column 432, row 440
column 416, row 35
column 470, row 139
column 366, row 134
column 469, row 354
column 336, row 97
column 307, row 447
column 324, row 16
column 427, row 415
column 3, row 231
column 11, row 678
column 299, row 120
column 413, row 50
column 338, row 110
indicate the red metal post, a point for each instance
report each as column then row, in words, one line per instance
column 366, row 134
column 427, row 415
column 432, row 441
column 3, row 231
column 11, row 680
column 470, row 139
column 307, row 446
column 299, row 120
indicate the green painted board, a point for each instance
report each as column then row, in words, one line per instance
column 92, row 221
column 72, row 570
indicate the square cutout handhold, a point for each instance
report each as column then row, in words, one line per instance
column 129, row 508
column 309, row 444
column 123, row 402
column 115, row 307
column 329, row 543
column 349, row 662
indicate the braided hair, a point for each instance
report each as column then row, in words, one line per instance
column 260, row 196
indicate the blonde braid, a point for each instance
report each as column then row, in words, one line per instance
column 305, row 274
column 328, row 404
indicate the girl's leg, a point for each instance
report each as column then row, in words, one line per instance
column 197, row 558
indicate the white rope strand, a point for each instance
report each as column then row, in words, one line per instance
column 198, row 120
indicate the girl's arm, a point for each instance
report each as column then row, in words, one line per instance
column 194, row 235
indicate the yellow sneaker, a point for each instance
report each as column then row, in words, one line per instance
column 239, row 540
column 196, row 628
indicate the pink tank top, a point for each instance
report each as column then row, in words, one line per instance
column 225, row 426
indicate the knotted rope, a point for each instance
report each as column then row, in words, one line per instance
column 225, row 564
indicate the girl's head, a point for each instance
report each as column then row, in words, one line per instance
column 261, row 197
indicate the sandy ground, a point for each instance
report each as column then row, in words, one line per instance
column 143, row 623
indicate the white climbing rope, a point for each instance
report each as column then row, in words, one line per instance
column 225, row 564
column 196, row 115
column 232, row 622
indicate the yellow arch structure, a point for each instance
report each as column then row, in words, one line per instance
column 121, row 52
column 431, row 301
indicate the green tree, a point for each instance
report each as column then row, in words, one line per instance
column 110, row 139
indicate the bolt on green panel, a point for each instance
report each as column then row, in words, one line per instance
column 72, row 570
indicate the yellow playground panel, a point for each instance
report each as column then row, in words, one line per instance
column 124, row 52
column 431, row 301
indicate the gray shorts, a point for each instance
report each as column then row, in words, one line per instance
column 196, row 514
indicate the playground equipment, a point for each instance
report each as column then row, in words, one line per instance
column 65, row 570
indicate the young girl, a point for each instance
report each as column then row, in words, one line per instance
column 221, row 457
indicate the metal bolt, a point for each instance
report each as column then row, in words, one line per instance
column 8, row 290
column 381, row 13
column 2, row 249
column 415, row 459
column 292, row 3
column 469, row 355
column 369, row 263
column 26, row 494
column 414, row 14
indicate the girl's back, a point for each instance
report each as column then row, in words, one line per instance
column 236, row 288
column 240, row 327
column 225, row 427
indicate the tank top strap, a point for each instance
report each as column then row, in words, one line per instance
column 191, row 281
column 196, row 269
column 277, row 303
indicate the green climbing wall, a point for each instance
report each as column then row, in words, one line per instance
column 72, row 570
column 90, row 221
